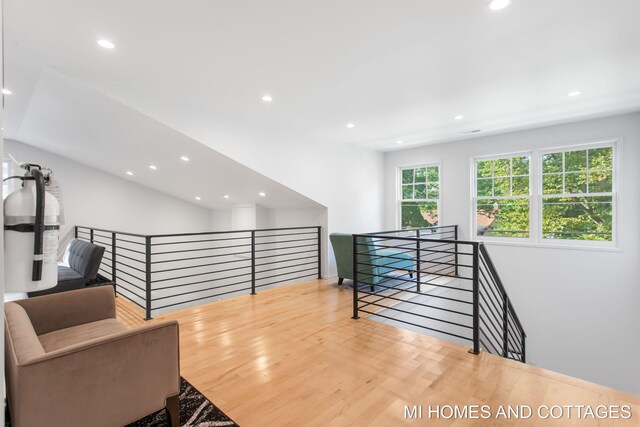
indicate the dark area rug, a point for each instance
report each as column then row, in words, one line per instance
column 195, row 411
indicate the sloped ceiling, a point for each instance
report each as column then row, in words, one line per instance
column 75, row 121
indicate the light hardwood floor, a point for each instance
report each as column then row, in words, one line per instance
column 292, row 356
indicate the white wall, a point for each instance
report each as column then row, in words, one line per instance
column 581, row 309
column 94, row 198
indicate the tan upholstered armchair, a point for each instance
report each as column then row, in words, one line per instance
column 70, row 362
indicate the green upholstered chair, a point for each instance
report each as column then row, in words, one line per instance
column 382, row 261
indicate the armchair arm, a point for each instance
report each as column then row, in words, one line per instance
column 112, row 380
column 65, row 309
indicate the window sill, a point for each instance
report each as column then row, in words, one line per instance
column 552, row 246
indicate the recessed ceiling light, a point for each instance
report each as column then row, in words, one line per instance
column 226, row 196
column 350, row 125
column 262, row 194
column 154, row 167
column 184, row 158
column 499, row 4
column 267, row 98
column 399, row 142
column 129, row 173
column 458, row 117
column 106, row 44
column 198, row 198
column 6, row 91
column 574, row 93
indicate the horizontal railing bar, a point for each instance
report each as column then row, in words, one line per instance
column 415, row 292
column 419, row 326
column 129, row 274
column 199, row 250
column 419, row 315
column 415, row 239
column 202, row 265
column 126, row 281
column 199, row 274
column 362, row 291
column 130, row 250
column 186, row 242
column 422, row 259
column 157, row 236
column 130, row 266
column 110, row 231
column 409, row 230
column 380, row 297
column 285, row 280
column 289, row 247
column 202, row 281
column 119, row 239
column 200, row 257
column 287, row 260
column 286, row 241
column 428, row 282
column 290, row 253
column 315, row 232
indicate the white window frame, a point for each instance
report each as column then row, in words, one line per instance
column 399, row 193
column 474, row 197
column 536, row 197
column 615, row 164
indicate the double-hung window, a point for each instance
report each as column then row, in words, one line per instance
column 502, row 196
column 578, row 197
column 548, row 196
column 420, row 196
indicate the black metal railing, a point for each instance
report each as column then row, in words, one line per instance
column 428, row 279
column 164, row 271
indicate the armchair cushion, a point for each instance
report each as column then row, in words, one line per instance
column 77, row 334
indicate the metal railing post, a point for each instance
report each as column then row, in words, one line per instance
column 253, row 262
column 75, row 231
column 91, row 235
column 505, row 326
column 113, row 261
column 418, row 263
column 148, row 277
column 355, row 279
column 319, row 253
column 455, row 237
column 476, row 300
column 523, row 356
